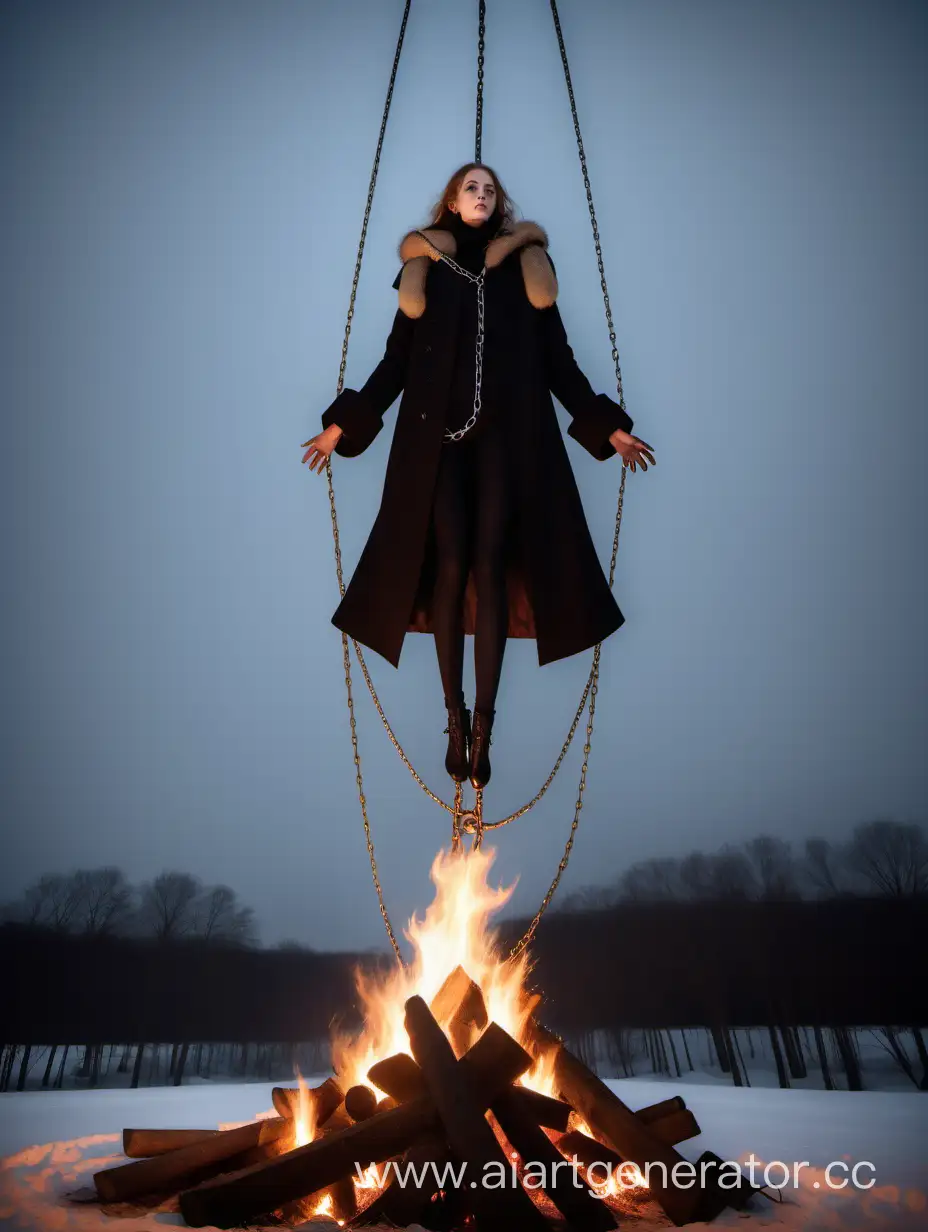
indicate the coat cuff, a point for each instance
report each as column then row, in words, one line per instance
column 595, row 425
column 358, row 422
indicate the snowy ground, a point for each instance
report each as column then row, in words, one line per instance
column 53, row 1141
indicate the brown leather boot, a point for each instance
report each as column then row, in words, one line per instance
column 480, row 748
column 457, row 758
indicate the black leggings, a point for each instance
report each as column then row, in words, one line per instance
column 470, row 516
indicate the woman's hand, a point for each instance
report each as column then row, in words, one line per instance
column 634, row 451
column 320, row 448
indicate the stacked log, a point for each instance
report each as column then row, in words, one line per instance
column 456, row 1100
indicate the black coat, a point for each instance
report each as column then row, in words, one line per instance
column 558, row 592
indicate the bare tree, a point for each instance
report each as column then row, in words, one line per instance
column 774, row 866
column 219, row 916
column 822, row 866
column 53, row 901
column 105, row 899
column 650, row 880
column 696, row 875
column 892, row 858
column 732, row 875
column 167, row 904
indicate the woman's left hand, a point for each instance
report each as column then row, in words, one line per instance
column 634, row 451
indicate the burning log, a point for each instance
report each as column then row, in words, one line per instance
column 587, row 1150
column 469, row 1135
column 402, row 1079
column 383, row 1105
column 305, row 1170
column 169, row 1171
column 542, row 1109
column 344, row 1199
column 606, row 1114
column 403, row 1204
column 399, row 1076
column 491, row 1065
column 360, row 1102
column 142, row 1143
column 323, row 1100
column 583, row 1212
column 459, row 1008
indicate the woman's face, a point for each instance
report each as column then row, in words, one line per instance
column 476, row 199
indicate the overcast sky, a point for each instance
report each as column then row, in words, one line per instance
column 185, row 189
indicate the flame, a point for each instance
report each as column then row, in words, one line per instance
column 455, row 931
column 304, row 1119
column 325, row 1206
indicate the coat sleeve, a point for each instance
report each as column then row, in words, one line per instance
column 594, row 417
column 359, row 412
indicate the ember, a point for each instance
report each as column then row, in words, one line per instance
column 452, row 1070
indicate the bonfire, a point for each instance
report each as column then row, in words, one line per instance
column 453, row 1108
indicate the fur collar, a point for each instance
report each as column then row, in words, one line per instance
column 528, row 238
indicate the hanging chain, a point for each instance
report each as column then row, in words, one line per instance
column 472, row 821
column 594, row 674
column 481, row 37
column 346, row 658
column 589, row 201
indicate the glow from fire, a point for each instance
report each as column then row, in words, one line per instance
column 455, row 931
column 304, row 1119
column 324, row 1207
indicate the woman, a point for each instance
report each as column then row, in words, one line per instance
column 480, row 528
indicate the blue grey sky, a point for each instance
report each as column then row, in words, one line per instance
column 185, row 185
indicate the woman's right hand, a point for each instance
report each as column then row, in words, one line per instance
column 320, row 448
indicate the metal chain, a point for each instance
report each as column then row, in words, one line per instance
column 478, row 280
column 481, row 37
column 589, row 201
column 594, row 674
column 346, row 658
column 474, row 819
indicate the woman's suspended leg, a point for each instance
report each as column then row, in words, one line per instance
column 451, row 525
column 491, row 529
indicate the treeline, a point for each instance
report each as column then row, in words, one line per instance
column 838, row 962
column 101, row 902
column 884, row 858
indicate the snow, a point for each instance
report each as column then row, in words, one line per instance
column 53, row 1141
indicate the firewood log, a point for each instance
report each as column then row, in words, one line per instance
column 460, row 1010
column 360, row 1102
column 583, row 1212
column 401, row 1205
column 656, row 1112
column 324, row 1100
column 402, row 1078
column 494, row 1062
column 167, row 1172
column 143, row 1143
column 609, row 1117
column 470, row 1137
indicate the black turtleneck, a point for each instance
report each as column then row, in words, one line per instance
column 471, row 242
